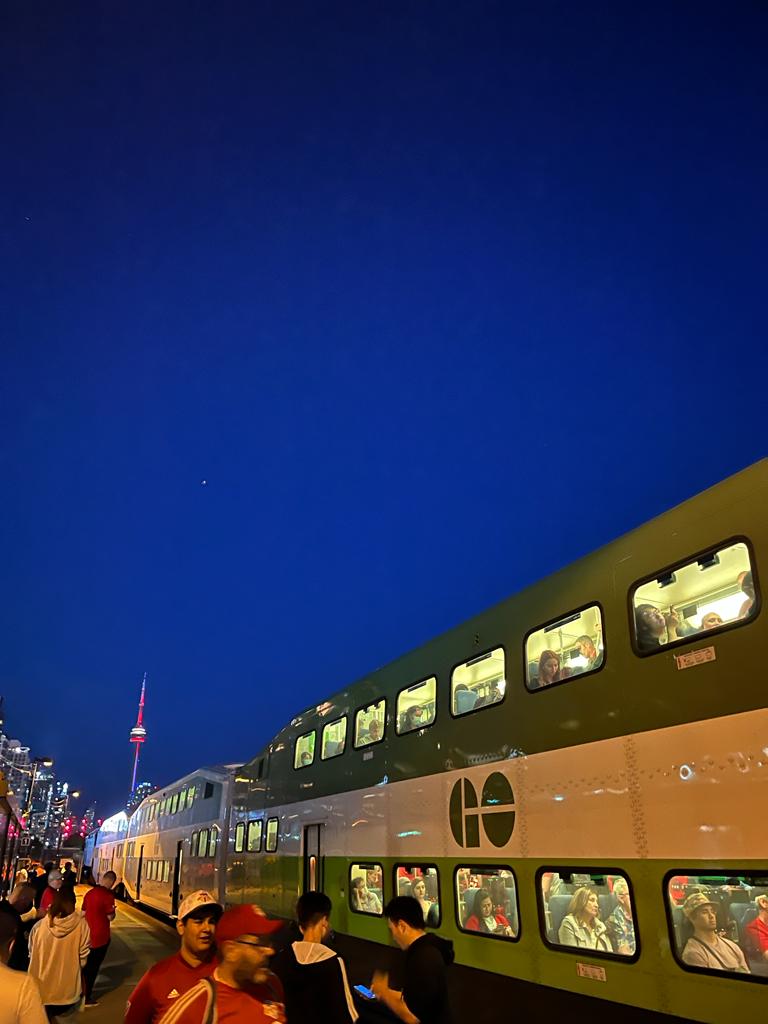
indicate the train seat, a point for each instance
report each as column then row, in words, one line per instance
column 558, row 908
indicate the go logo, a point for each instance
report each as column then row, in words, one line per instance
column 497, row 810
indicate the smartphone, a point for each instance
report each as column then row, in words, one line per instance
column 365, row 992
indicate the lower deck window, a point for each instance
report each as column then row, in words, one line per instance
column 254, row 836
column 486, row 901
column 365, row 895
column 422, row 882
column 719, row 922
column 272, row 834
column 588, row 910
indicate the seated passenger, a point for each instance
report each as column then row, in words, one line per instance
column 756, row 932
column 706, row 948
column 748, row 587
column 306, row 758
column 552, row 885
column 581, row 925
column 464, row 699
column 363, row 899
column 485, row 919
column 373, row 735
column 588, row 650
column 414, row 718
column 650, row 624
column 620, row 925
column 549, row 669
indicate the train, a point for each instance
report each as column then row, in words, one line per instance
column 591, row 753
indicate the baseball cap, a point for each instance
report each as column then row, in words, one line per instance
column 244, row 919
column 696, row 900
column 196, row 901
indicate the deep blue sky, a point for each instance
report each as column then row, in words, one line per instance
column 436, row 296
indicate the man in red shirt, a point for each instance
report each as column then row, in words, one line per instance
column 757, row 930
column 55, row 882
column 162, row 984
column 242, row 988
column 99, row 910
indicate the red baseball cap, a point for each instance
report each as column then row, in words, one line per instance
column 244, row 919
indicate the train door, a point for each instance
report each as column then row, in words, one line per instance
column 139, row 872
column 313, row 858
column 175, row 893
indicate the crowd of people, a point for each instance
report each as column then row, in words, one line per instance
column 227, row 966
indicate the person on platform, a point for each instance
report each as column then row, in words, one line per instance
column 756, row 932
column 314, row 977
column 69, row 876
column 40, row 882
column 424, row 998
column 58, row 949
column 21, row 905
column 169, row 979
column 582, row 926
column 99, row 911
column 706, row 948
column 242, row 988
column 20, row 1001
column 55, row 882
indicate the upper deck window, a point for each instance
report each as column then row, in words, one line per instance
column 304, row 751
column 369, row 724
column 416, row 706
column 714, row 591
column 478, row 683
column 334, row 738
column 570, row 646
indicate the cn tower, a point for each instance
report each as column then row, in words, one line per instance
column 138, row 733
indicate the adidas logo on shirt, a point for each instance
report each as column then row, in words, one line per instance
column 173, row 994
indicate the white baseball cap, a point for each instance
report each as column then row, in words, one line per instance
column 195, row 901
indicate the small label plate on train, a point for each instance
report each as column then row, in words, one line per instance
column 591, row 971
column 693, row 658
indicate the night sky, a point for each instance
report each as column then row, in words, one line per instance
column 436, row 297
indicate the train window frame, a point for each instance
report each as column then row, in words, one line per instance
column 202, row 842
column 213, row 840
column 174, row 803
column 193, row 844
column 328, row 725
column 298, row 754
column 365, row 866
column 761, row 979
column 466, row 662
column 408, row 689
column 267, row 847
column 548, row 624
column 480, row 869
column 251, row 824
column 423, row 866
column 208, row 790
column 702, row 636
column 239, row 837
column 601, row 954
column 357, row 712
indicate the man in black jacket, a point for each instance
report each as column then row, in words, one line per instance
column 424, row 999
column 313, row 976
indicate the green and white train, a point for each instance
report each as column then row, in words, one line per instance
column 607, row 723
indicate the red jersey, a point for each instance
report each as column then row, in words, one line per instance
column 47, row 899
column 161, row 986
column 98, row 906
column 757, row 931
column 254, row 1004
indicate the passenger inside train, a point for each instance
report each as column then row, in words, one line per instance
column 364, row 900
column 369, row 724
column 568, row 647
column 421, row 882
column 706, row 594
column 479, row 682
column 416, row 706
column 487, row 901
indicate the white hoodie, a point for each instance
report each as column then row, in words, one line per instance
column 58, row 949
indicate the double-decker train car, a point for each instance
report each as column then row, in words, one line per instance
column 104, row 850
column 176, row 840
column 565, row 782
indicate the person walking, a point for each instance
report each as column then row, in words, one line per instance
column 21, row 905
column 20, row 1001
column 169, row 979
column 242, row 989
column 55, row 882
column 314, row 977
column 99, row 911
column 58, row 949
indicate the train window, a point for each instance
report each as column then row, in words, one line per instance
column 370, row 723
column 191, row 792
column 202, row 844
column 150, row 865
column 167, row 871
column 334, row 738
column 416, row 706
column 366, row 897
column 182, row 799
column 714, row 591
column 588, row 910
column 422, row 882
column 304, row 751
column 174, row 803
column 193, row 844
column 254, row 836
column 486, row 901
column 272, row 834
column 570, row 646
column 208, row 792
column 719, row 922
column 478, row 683
column 213, row 841
column 239, row 836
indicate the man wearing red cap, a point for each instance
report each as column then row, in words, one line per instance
column 168, row 980
column 242, row 989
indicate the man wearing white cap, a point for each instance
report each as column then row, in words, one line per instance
column 170, row 978
column 706, row 948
